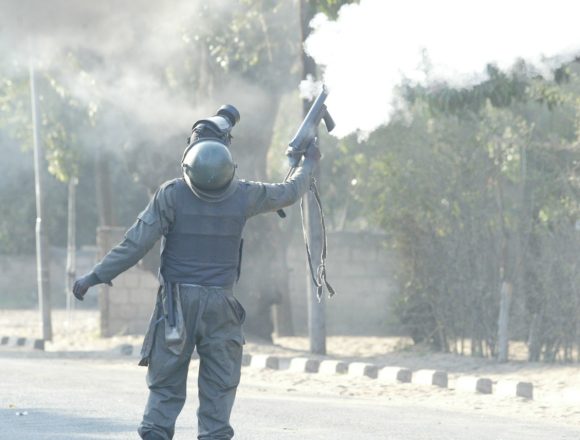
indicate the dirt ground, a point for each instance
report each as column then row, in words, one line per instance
column 556, row 386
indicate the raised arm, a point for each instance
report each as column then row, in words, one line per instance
column 267, row 197
column 153, row 222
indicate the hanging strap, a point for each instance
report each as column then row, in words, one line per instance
column 318, row 276
column 240, row 253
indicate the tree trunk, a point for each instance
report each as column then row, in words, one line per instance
column 260, row 285
column 103, row 188
column 505, row 274
column 503, row 322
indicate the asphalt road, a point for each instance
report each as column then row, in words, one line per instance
column 65, row 399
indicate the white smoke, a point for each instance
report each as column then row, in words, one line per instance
column 375, row 45
column 127, row 49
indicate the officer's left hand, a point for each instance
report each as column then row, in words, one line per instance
column 82, row 285
column 313, row 152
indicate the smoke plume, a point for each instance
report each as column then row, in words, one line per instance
column 120, row 53
column 375, row 45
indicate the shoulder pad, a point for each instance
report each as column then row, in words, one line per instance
column 167, row 189
column 170, row 183
column 246, row 183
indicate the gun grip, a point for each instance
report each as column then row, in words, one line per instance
column 328, row 121
column 281, row 213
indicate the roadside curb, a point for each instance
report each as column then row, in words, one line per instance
column 430, row 377
column 395, row 374
column 392, row 374
column 512, row 387
column 363, row 369
column 333, row 367
column 474, row 384
column 14, row 341
column 356, row 369
column 304, row 365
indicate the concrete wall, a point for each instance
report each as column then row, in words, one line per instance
column 361, row 270
column 359, row 266
column 127, row 306
column 18, row 285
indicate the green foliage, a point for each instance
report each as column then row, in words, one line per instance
column 61, row 121
column 258, row 39
column 501, row 90
column 475, row 188
column 17, row 201
column 331, row 7
column 64, row 122
column 15, row 109
column 17, row 215
column 248, row 38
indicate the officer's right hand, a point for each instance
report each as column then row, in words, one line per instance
column 82, row 285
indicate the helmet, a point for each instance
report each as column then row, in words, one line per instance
column 208, row 166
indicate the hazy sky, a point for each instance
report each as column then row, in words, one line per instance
column 368, row 51
column 373, row 46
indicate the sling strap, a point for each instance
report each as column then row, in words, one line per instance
column 318, row 276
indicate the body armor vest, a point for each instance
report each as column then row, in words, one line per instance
column 203, row 245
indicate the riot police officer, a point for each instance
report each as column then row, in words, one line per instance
column 200, row 218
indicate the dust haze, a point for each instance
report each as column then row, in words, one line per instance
column 122, row 54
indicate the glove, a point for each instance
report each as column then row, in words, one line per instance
column 83, row 284
column 313, row 152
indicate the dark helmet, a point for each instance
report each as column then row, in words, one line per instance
column 208, row 166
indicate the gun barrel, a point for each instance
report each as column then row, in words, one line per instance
column 310, row 123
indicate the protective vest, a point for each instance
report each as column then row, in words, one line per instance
column 203, row 245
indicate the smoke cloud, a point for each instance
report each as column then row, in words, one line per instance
column 122, row 54
column 375, row 45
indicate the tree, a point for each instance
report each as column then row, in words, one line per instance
column 478, row 188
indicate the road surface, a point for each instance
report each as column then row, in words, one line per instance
column 48, row 397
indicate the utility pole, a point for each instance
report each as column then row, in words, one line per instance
column 316, row 309
column 42, row 269
column 71, row 261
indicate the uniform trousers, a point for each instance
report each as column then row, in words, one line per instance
column 212, row 320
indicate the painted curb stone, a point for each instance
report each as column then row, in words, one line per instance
column 395, row 374
column 513, row 388
column 360, row 369
column 474, row 384
column 431, row 377
column 333, row 367
column 304, row 365
column 265, row 361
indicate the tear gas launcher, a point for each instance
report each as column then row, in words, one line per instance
column 302, row 140
column 306, row 133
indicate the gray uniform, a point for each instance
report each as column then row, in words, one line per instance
column 200, row 258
